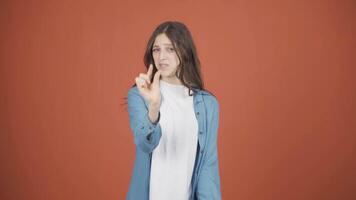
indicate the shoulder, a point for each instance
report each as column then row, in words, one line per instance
column 134, row 96
column 135, row 100
column 134, row 93
column 133, row 90
column 209, row 98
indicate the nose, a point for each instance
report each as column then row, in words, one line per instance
column 162, row 55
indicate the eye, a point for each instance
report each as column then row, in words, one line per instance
column 155, row 50
column 171, row 49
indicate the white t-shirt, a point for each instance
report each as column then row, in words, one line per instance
column 173, row 159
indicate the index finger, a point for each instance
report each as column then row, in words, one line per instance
column 149, row 72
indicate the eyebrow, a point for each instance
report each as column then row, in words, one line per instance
column 167, row 44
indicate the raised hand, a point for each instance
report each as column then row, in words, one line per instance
column 149, row 91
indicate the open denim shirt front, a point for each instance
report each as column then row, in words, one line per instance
column 205, row 178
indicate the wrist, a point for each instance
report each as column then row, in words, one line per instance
column 153, row 115
column 154, row 119
column 153, row 106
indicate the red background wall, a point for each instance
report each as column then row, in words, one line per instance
column 283, row 72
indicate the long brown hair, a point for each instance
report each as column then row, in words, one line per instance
column 189, row 68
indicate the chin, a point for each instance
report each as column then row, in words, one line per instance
column 166, row 74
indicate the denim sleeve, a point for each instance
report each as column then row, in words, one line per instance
column 209, row 181
column 146, row 134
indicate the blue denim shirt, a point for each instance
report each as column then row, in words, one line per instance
column 205, row 179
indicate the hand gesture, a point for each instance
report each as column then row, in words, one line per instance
column 149, row 91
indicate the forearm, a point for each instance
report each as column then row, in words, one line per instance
column 146, row 133
column 153, row 113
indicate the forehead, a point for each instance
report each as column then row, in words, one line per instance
column 162, row 40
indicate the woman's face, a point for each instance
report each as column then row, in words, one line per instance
column 165, row 57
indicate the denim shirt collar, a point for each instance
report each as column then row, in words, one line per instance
column 198, row 95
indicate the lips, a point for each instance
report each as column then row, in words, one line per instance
column 163, row 65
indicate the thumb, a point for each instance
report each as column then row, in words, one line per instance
column 156, row 77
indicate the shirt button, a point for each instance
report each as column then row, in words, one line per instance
column 202, row 151
column 197, row 113
column 200, row 132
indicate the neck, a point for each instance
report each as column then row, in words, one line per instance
column 173, row 80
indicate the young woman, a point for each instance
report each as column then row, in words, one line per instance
column 174, row 122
